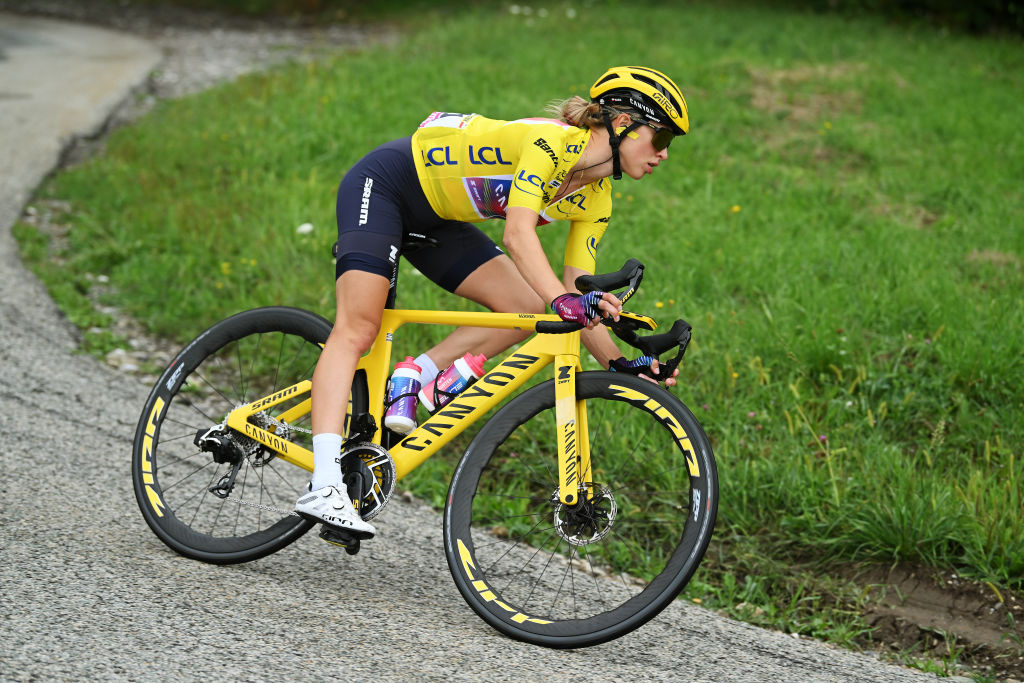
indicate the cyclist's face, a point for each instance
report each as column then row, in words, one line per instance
column 638, row 154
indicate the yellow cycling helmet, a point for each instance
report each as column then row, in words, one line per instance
column 647, row 92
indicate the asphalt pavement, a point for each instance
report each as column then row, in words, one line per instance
column 88, row 592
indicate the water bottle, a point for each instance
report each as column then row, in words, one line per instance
column 459, row 375
column 405, row 382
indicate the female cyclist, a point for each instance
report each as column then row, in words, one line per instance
column 458, row 169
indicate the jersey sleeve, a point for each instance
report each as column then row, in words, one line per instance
column 537, row 164
column 581, row 246
column 586, row 230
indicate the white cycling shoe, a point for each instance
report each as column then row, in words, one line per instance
column 332, row 507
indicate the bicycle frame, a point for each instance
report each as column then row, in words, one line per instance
column 541, row 350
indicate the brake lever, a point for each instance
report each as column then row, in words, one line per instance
column 655, row 345
column 685, row 334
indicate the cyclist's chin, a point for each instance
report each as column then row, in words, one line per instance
column 636, row 173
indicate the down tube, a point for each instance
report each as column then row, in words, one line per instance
column 466, row 408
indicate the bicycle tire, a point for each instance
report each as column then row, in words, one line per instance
column 251, row 354
column 567, row 577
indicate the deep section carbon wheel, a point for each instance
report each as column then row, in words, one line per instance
column 576, row 575
column 209, row 492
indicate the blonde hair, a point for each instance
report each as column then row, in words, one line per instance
column 577, row 111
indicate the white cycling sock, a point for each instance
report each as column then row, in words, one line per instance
column 428, row 371
column 326, row 451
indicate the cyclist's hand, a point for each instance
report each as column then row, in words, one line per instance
column 587, row 309
column 645, row 367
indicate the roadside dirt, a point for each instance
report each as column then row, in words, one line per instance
column 922, row 612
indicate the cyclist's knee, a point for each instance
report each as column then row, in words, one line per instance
column 357, row 333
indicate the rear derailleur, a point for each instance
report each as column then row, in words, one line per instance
column 224, row 450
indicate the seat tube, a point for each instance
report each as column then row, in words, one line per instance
column 569, row 471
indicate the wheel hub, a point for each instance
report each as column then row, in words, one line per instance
column 588, row 521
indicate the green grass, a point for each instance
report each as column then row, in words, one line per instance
column 842, row 227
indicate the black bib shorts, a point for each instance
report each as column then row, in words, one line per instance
column 379, row 201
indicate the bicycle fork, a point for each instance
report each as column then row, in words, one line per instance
column 574, row 472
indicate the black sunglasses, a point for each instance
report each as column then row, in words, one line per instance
column 662, row 136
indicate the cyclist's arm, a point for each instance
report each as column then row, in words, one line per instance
column 525, row 250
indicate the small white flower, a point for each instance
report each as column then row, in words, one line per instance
column 304, row 229
column 514, row 9
column 542, row 12
column 570, row 13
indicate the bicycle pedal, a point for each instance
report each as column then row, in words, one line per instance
column 341, row 538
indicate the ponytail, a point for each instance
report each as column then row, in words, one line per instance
column 577, row 111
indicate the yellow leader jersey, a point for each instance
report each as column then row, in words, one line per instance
column 472, row 168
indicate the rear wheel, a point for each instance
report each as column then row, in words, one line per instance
column 232, row 503
column 571, row 576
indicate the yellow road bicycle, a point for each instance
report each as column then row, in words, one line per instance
column 579, row 511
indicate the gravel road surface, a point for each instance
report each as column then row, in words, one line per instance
column 88, row 592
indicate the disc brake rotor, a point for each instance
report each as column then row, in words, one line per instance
column 588, row 521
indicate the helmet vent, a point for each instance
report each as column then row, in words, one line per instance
column 662, row 89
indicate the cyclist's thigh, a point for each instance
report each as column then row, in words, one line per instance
column 462, row 248
column 369, row 214
column 498, row 285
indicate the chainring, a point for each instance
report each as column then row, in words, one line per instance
column 377, row 469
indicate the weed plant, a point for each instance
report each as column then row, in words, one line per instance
column 842, row 227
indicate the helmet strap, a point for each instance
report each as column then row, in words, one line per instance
column 614, row 139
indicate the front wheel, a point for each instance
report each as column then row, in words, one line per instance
column 572, row 576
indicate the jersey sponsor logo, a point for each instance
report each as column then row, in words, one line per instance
column 574, row 149
column 559, row 178
column 543, row 144
column 364, row 208
column 529, row 183
column 592, row 247
column 479, row 155
column 572, row 204
column 439, row 156
column 577, row 199
column 489, row 195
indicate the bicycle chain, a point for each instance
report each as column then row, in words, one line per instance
column 258, row 506
column 287, row 425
